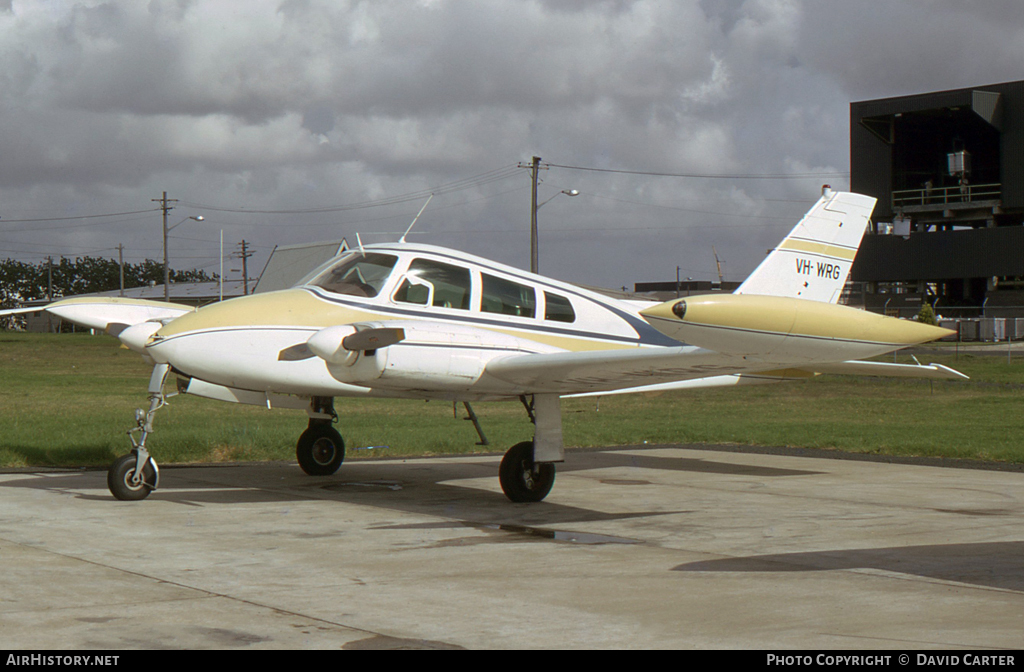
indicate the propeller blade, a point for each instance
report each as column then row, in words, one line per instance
column 373, row 339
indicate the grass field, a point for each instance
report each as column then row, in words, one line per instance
column 68, row 400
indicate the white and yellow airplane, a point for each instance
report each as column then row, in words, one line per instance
column 419, row 321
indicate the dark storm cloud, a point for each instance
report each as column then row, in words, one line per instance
column 271, row 105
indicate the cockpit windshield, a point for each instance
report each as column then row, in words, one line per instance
column 357, row 275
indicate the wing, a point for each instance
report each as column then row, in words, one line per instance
column 112, row 314
column 633, row 371
column 578, row 372
column 855, row 368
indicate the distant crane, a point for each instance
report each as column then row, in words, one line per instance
column 718, row 265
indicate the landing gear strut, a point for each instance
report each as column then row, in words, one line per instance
column 133, row 476
column 320, row 449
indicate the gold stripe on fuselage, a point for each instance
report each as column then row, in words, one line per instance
column 302, row 308
column 287, row 308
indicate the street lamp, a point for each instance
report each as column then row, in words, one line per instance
column 167, row 273
column 534, row 243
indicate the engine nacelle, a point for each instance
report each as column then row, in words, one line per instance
column 784, row 328
column 431, row 356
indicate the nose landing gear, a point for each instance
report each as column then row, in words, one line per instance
column 128, row 482
column 133, row 476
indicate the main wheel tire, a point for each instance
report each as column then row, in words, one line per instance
column 320, row 450
column 521, row 479
column 119, row 479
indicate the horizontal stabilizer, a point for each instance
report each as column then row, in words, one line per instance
column 890, row 370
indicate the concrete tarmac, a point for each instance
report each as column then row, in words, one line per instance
column 659, row 547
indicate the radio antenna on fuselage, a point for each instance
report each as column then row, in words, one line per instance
column 402, row 239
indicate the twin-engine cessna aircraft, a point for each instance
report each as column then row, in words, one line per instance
column 418, row 321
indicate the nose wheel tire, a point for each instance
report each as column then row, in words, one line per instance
column 320, row 450
column 123, row 485
column 522, row 479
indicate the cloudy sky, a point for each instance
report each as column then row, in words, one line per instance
column 289, row 121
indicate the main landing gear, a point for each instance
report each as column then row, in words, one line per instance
column 522, row 479
column 527, row 471
column 320, row 449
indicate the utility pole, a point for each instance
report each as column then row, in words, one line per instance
column 120, row 265
column 245, row 254
column 49, row 290
column 534, row 262
column 167, row 274
column 535, row 169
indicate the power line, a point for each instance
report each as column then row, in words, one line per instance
column 450, row 187
column 66, row 219
column 690, row 210
column 707, row 176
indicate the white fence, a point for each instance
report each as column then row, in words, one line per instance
column 990, row 329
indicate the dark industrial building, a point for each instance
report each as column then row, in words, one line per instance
column 663, row 291
column 947, row 169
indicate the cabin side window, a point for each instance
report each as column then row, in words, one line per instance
column 558, row 308
column 507, row 298
column 357, row 275
column 432, row 283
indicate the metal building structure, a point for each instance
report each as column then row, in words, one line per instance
column 947, row 169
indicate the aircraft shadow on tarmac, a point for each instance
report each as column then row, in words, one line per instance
column 430, row 488
column 410, row 485
column 997, row 564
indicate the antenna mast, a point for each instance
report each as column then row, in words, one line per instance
column 402, row 239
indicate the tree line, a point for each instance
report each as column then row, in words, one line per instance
column 21, row 281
